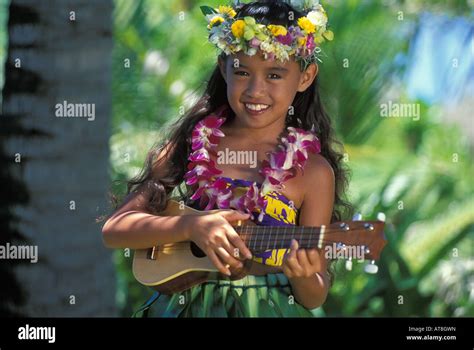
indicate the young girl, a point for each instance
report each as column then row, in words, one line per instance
column 262, row 99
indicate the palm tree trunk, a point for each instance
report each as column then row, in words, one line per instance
column 59, row 54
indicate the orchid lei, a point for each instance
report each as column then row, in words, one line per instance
column 212, row 190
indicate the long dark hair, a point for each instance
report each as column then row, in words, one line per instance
column 308, row 112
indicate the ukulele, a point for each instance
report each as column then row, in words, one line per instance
column 175, row 267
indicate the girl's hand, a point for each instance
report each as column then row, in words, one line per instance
column 301, row 262
column 216, row 237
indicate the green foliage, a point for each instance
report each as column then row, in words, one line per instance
column 427, row 198
column 368, row 36
column 206, row 10
column 446, row 7
column 165, row 43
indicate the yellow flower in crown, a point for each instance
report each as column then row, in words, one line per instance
column 302, row 41
column 226, row 10
column 238, row 28
column 215, row 21
column 306, row 25
column 277, row 30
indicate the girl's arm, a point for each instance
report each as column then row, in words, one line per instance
column 306, row 269
column 131, row 226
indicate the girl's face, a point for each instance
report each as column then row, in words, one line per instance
column 260, row 91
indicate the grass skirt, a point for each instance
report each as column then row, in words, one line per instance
column 252, row 296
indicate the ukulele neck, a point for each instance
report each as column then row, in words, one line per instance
column 260, row 238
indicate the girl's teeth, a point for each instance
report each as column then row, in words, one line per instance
column 256, row 107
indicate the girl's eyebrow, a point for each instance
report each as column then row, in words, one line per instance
column 269, row 68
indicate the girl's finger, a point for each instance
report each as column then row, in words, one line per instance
column 217, row 263
column 313, row 257
column 294, row 247
column 292, row 259
column 241, row 248
column 230, row 249
column 233, row 215
column 287, row 271
column 289, row 261
column 303, row 259
column 228, row 259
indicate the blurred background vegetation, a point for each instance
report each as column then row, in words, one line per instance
column 418, row 172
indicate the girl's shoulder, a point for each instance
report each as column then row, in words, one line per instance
column 318, row 180
column 317, row 166
column 317, row 173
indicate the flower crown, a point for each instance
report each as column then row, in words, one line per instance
column 231, row 35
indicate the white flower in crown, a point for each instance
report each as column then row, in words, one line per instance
column 251, row 51
column 318, row 17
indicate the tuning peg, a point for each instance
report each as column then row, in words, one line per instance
column 357, row 217
column 349, row 264
column 344, row 226
column 369, row 226
column 381, row 216
column 371, row 268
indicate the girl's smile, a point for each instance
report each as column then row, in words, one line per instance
column 256, row 109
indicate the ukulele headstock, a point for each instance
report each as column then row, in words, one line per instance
column 363, row 240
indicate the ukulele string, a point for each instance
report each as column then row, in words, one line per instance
column 286, row 244
column 251, row 238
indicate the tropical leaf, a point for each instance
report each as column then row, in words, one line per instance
column 207, row 10
column 427, row 242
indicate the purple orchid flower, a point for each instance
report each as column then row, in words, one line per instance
column 285, row 39
column 219, row 194
column 201, row 170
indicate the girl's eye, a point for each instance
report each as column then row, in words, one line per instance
column 271, row 76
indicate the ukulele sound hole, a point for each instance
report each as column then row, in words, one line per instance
column 197, row 252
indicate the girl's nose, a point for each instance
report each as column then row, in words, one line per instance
column 256, row 88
